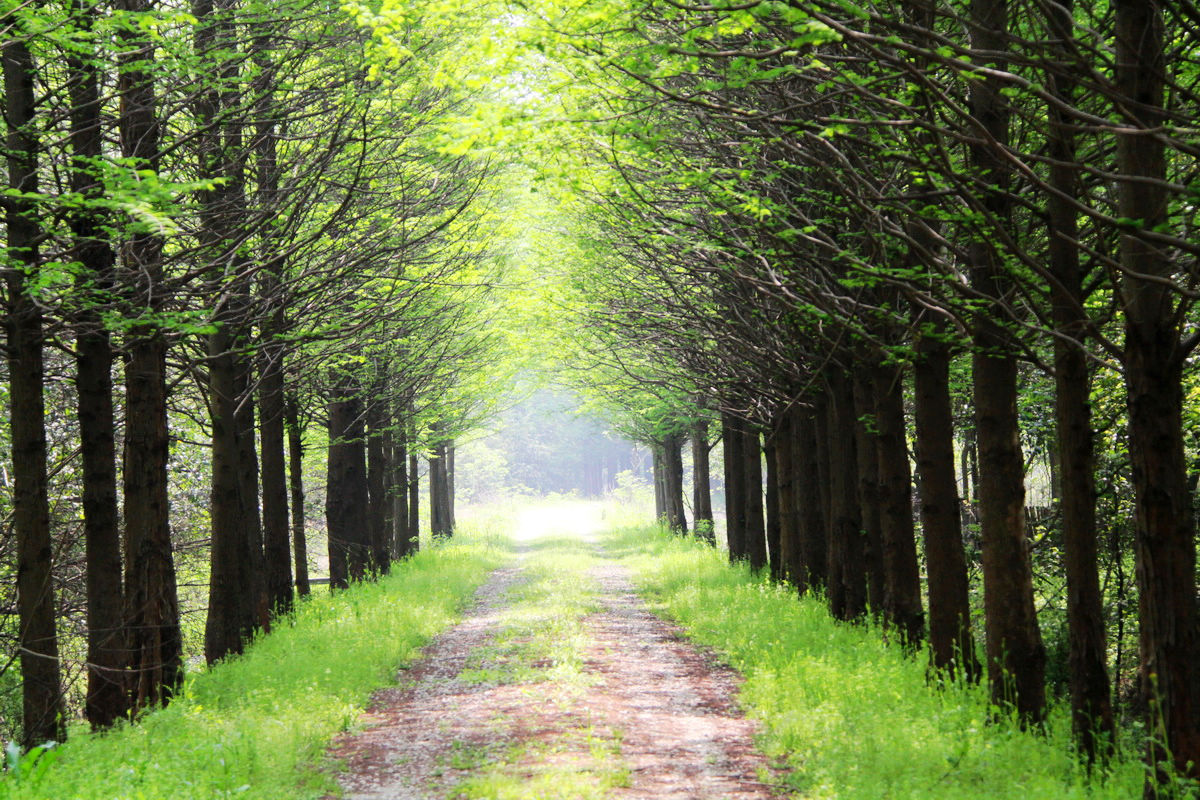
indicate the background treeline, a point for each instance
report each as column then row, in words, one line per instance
column 847, row 232
column 233, row 243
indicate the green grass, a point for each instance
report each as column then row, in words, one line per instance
column 254, row 727
column 849, row 716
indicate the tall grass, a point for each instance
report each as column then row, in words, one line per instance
column 849, row 716
column 255, row 726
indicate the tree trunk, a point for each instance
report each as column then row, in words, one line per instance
column 414, row 502
column 277, row 553
column 755, row 525
column 42, row 699
column 402, row 545
column 789, row 558
column 1016, row 658
column 811, row 505
column 660, row 482
column 107, row 650
column 1074, row 464
column 252, row 538
column 439, row 488
column 865, row 453
column 347, row 495
column 951, row 642
column 151, row 598
column 702, row 483
column 377, row 470
column 673, row 483
column 296, row 487
column 771, row 505
column 902, row 574
column 735, row 486
column 1154, row 360
column 847, row 542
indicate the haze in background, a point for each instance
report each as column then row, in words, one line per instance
column 544, row 445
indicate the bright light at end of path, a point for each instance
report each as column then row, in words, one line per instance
column 580, row 519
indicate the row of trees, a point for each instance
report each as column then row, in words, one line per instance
column 241, row 213
column 817, row 218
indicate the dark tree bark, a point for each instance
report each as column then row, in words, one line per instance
column 1091, row 704
column 1016, row 658
column 735, row 486
column 790, row 558
column 811, row 504
column 450, row 483
column 755, row 524
column 377, row 471
column 296, row 489
column 151, row 596
column 951, row 642
column 902, row 574
column 702, row 483
column 41, row 687
column 106, row 698
column 1154, row 360
column 672, row 474
column 347, row 495
column 865, row 449
column 248, row 488
column 277, row 556
column 277, row 553
column 439, row 491
column 847, row 544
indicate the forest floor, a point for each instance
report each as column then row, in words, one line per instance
column 557, row 683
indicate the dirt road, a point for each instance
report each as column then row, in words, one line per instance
column 558, row 683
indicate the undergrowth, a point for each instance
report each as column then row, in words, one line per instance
column 252, row 727
column 847, row 715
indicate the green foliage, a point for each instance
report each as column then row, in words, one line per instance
column 849, row 716
column 254, row 726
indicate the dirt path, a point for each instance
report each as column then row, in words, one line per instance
column 596, row 699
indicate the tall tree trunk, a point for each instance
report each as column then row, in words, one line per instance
column 42, row 699
column 771, row 505
column 951, row 642
column 902, row 574
column 402, row 546
column 755, row 525
column 296, row 489
column 377, row 470
column 1016, row 657
column 347, row 495
column 1091, row 704
column 439, row 489
column 660, row 482
column 672, row 472
column 790, row 559
column 847, row 544
column 151, row 595
column 702, row 483
column 811, row 504
column 414, row 501
column 865, row 450
column 450, row 483
column 248, row 488
column 106, row 660
column 1154, row 360
column 735, row 486
column 277, row 553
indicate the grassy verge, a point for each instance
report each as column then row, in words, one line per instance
column 850, row 717
column 254, row 727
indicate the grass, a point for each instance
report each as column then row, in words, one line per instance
column 253, row 727
column 849, row 716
